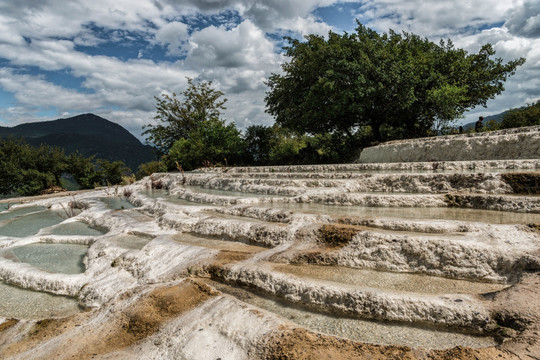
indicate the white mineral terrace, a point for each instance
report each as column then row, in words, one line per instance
column 399, row 254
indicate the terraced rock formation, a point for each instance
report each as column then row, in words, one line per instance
column 508, row 144
column 356, row 261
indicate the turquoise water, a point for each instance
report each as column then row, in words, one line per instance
column 155, row 193
column 117, row 203
column 21, row 303
column 76, row 228
column 18, row 212
column 30, row 224
column 57, row 258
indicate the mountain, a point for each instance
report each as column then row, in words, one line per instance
column 89, row 134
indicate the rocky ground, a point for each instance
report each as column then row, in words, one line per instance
column 423, row 260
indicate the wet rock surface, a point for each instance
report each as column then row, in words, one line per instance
column 354, row 261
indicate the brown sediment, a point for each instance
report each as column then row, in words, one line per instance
column 230, row 256
column 517, row 312
column 338, row 235
column 523, row 183
column 535, row 227
column 302, row 344
column 139, row 320
column 7, row 324
column 42, row 331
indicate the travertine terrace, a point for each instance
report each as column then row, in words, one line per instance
column 369, row 260
column 508, row 144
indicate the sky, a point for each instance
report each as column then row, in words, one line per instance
column 62, row 58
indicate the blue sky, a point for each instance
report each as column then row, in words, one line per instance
column 60, row 59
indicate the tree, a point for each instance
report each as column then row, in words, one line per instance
column 149, row 168
column 524, row 116
column 258, row 146
column 26, row 170
column 111, row 172
column 176, row 119
column 212, row 142
column 394, row 85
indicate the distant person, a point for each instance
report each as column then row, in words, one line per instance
column 479, row 125
column 461, row 129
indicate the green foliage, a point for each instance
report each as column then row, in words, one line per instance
column 401, row 83
column 111, row 172
column 286, row 147
column 258, row 147
column 212, row 142
column 83, row 170
column 27, row 170
column 274, row 145
column 524, row 116
column 149, row 168
column 176, row 119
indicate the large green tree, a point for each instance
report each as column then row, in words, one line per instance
column 177, row 118
column 395, row 85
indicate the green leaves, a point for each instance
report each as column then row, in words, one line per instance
column 177, row 118
column 399, row 85
column 525, row 116
column 212, row 142
column 26, row 170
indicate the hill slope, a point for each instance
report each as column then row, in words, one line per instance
column 89, row 134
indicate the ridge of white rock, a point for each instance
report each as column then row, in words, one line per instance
column 508, row 144
column 425, row 219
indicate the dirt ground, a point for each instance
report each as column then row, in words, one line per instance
column 87, row 336
column 302, row 344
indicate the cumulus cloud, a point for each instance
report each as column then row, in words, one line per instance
column 220, row 47
column 239, row 61
column 525, row 20
column 432, row 18
column 232, row 48
column 173, row 35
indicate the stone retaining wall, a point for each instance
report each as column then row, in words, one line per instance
column 519, row 143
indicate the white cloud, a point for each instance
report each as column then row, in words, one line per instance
column 525, row 20
column 241, row 46
column 173, row 35
column 238, row 58
column 239, row 61
column 432, row 18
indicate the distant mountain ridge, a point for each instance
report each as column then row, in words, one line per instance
column 89, row 134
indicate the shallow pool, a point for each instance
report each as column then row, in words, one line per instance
column 117, row 203
column 77, row 228
column 21, row 303
column 57, row 258
column 30, row 224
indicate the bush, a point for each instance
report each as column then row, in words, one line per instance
column 150, row 168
